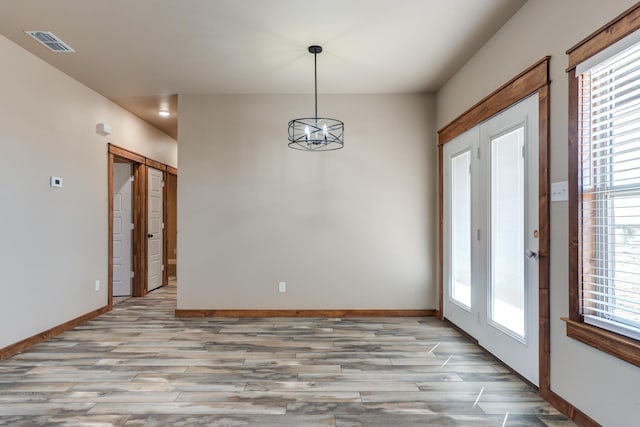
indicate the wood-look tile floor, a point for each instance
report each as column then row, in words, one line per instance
column 138, row 365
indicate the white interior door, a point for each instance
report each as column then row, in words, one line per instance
column 502, row 313
column 155, row 229
column 122, row 229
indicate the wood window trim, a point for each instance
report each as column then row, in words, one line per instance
column 534, row 79
column 616, row 345
column 139, row 195
column 615, row 30
column 622, row 347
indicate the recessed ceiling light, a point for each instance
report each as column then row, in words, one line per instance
column 164, row 113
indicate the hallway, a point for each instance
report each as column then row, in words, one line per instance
column 139, row 365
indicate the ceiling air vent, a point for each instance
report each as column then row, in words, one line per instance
column 50, row 41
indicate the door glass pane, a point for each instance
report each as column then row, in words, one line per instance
column 507, row 231
column 461, row 229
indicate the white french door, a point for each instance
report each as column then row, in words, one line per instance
column 490, row 231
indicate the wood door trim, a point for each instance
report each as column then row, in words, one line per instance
column 534, row 79
column 440, row 231
column 22, row 345
column 140, row 230
column 126, row 154
column 156, row 165
column 303, row 313
column 165, row 237
column 516, row 89
column 110, row 229
column 544, row 242
column 170, row 171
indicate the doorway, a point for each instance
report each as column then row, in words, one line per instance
column 139, row 210
column 490, row 235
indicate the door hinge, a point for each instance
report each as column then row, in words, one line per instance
column 133, row 226
column 478, row 234
column 523, row 151
column 163, row 184
column 131, row 179
column 133, row 274
column 478, row 152
column 469, row 169
column 163, row 225
column 162, row 269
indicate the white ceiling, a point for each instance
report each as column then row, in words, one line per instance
column 145, row 50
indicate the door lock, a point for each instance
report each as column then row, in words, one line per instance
column 531, row 254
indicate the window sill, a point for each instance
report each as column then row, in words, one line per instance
column 623, row 348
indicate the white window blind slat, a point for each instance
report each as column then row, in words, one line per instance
column 601, row 101
column 604, row 308
column 604, row 292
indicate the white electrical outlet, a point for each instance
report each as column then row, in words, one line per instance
column 97, row 285
column 282, row 287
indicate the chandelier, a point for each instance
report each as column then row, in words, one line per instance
column 316, row 133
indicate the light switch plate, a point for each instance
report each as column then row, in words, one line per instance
column 559, row 191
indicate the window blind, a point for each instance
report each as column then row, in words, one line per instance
column 609, row 135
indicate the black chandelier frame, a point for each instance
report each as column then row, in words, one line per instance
column 316, row 133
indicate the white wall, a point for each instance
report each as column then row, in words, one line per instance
column 54, row 241
column 353, row 228
column 603, row 387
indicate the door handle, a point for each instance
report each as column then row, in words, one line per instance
column 531, row 254
column 150, row 235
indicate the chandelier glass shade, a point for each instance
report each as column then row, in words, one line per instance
column 316, row 133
